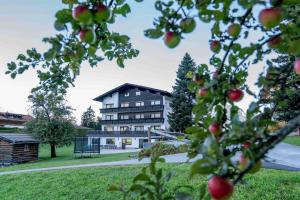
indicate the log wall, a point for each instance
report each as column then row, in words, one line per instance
column 6, row 149
column 21, row 153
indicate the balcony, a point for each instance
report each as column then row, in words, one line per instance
column 133, row 121
column 133, row 109
column 122, row 134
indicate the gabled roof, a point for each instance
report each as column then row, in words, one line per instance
column 126, row 86
column 7, row 118
column 17, row 138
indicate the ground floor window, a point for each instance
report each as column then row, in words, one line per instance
column 156, row 127
column 139, row 128
column 26, row 147
column 108, row 128
column 110, row 141
column 127, row 141
column 124, row 128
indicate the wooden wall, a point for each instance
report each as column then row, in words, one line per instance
column 18, row 153
column 21, row 155
column 5, row 152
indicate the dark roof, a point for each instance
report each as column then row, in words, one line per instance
column 17, row 138
column 126, row 86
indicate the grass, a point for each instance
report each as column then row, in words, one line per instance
column 295, row 140
column 92, row 183
column 64, row 157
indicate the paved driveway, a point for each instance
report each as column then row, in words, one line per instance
column 283, row 156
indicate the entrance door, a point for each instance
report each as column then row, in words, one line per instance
column 141, row 143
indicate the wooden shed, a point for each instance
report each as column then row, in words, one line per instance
column 17, row 148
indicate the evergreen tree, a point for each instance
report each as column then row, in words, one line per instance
column 287, row 100
column 182, row 98
column 88, row 118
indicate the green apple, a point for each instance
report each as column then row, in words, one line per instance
column 187, row 25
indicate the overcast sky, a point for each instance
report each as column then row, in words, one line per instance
column 25, row 23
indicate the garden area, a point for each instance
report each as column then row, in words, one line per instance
column 294, row 140
column 94, row 182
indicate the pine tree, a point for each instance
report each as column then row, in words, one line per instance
column 182, row 99
column 88, row 118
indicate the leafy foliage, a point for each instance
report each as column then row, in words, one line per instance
column 88, row 118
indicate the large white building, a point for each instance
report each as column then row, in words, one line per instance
column 128, row 111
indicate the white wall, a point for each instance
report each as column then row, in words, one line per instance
column 114, row 99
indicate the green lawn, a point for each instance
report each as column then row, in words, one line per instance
column 92, row 183
column 295, row 140
column 65, row 156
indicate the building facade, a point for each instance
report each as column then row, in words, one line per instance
column 13, row 120
column 128, row 111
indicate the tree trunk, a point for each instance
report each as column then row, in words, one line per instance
column 53, row 151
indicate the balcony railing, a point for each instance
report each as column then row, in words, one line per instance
column 133, row 109
column 133, row 121
column 121, row 134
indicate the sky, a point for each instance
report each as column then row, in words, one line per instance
column 25, row 23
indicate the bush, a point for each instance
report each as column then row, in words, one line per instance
column 160, row 149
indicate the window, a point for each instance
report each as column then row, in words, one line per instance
column 109, row 105
column 139, row 103
column 156, row 127
column 124, row 116
column 139, row 116
column 138, row 93
column 109, row 117
column 139, row 128
column 110, row 141
column 26, row 147
column 155, row 102
column 125, row 104
column 108, row 128
column 126, row 94
column 127, row 141
column 124, row 128
column 95, row 141
column 155, row 115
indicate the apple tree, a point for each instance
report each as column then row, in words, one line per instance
column 218, row 132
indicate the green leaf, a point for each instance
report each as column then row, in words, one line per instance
column 203, row 166
column 123, row 10
column 141, row 177
column 120, row 62
column 153, row 33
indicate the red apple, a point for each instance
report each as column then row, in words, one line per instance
column 246, row 144
column 203, row 92
column 220, row 188
column 270, row 17
column 172, row 39
column 297, row 66
column 82, row 14
column 187, row 25
column 274, row 42
column 234, row 30
column 102, row 13
column 215, row 46
column 214, row 128
column 87, row 35
column 235, row 94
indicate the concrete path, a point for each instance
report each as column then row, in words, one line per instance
column 283, row 156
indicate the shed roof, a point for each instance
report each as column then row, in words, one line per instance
column 18, row 138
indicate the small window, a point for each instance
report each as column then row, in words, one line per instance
column 124, row 128
column 139, row 116
column 125, row 104
column 26, row 147
column 124, row 116
column 139, row 128
column 109, row 105
column 127, row 141
column 109, row 117
column 138, row 93
column 139, row 103
column 155, row 115
column 110, row 141
column 155, row 102
column 126, row 94
column 157, row 127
